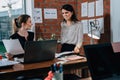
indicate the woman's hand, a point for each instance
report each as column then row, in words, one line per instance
column 76, row 50
column 8, row 55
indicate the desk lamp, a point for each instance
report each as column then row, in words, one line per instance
column 93, row 33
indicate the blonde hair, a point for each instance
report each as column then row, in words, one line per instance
column 14, row 29
column 17, row 22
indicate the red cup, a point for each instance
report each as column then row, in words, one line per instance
column 0, row 57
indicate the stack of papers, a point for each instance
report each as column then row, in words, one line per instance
column 63, row 59
column 71, row 57
column 74, row 57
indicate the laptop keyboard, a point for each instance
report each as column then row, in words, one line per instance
column 5, row 62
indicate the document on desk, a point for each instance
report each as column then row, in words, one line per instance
column 70, row 58
column 13, row 46
column 74, row 57
column 57, row 55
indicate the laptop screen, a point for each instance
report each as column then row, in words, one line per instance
column 102, row 61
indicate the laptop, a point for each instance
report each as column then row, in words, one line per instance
column 103, row 63
column 5, row 62
column 37, row 51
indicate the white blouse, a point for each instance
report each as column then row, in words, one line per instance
column 72, row 34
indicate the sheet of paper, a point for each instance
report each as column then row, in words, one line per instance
column 69, row 58
column 99, row 8
column 100, row 24
column 13, row 46
column 74, row 57
column 91, row 20
column 85, row 26
column 91, row 9
column 50, row 13
column 84, row 9
column 63, row 53
column 37, row 15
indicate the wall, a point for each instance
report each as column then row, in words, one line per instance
column 115, row 20
column 50, row 26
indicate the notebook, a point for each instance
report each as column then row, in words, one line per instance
column 36, row 51
column 103, row 63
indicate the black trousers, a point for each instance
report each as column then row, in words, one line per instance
column 67, row 47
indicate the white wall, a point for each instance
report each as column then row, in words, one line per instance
column 115, row 20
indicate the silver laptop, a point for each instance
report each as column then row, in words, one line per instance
column 37, row 51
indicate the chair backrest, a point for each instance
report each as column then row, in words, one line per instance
column 102, row 61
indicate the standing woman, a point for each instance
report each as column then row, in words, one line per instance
column 21, row 25
column 71, row 30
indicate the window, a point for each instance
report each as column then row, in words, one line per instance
column 9, row 9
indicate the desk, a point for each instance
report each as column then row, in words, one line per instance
column 36, row 69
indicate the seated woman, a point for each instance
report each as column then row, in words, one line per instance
column 21, row 25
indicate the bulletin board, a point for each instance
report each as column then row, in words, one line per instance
column 97, row 11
